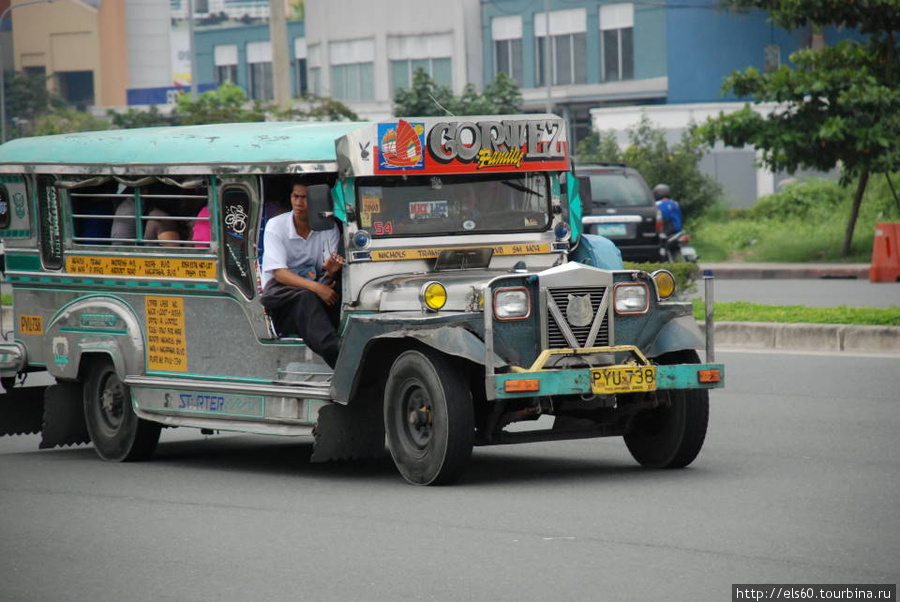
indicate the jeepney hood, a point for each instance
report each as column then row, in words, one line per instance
column 401, row 293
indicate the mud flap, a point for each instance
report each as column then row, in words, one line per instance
column 349, row 432
column 64, row 416
column 22, row 411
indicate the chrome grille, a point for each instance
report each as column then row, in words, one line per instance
column 555, row 337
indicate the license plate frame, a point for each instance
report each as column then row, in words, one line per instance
column 611, row 229
column 623, row 379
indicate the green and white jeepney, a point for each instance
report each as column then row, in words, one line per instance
column 471, row 300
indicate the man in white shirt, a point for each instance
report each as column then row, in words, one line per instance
column 298, row 275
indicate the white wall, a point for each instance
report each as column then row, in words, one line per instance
column 149, row 58
column 734, row 168
column 342, row 20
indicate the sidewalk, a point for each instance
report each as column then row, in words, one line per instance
column 801, row 337
column 765, row 271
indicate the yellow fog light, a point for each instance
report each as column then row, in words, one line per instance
column 433, row 295
column 665, row 283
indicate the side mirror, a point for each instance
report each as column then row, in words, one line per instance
column 584, row 190
column 320, row 211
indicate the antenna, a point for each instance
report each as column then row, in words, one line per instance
column 443, row 108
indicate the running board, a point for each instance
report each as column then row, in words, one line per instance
column 306, row 390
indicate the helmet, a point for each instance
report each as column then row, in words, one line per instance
column 661, row 191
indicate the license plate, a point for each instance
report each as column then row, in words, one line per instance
column 611, row 229
column 623, row 379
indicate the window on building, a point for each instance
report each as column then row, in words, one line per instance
column 314, row 69
column 431, row 53
column 771, row 58
column 566, row 37
column 40, row 71
column 506, row 32
column 352, row 70
column 259, row 61
column 617, row 41
column 76, row 87
column 301, row 86
column 226, row 60
column 201, row 6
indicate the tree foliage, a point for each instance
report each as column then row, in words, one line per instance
column 63, row 121
column 26, row 98
column 837, row 105
column 225, row 104
column 426, row 98
column 649, row 152
column 134, row 118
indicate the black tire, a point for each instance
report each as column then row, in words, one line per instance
column 671, row 435
column 428, row 418
column 117, row 433
column 8, row 382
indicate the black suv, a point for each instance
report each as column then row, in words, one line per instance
column 619, row 205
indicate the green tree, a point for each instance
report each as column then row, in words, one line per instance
column 837, row 105
column 63, row 121
column 317, row 108
column 649, row 152
column 26, row 98
column 427, row 98
column 133, row 118
column 225, row 104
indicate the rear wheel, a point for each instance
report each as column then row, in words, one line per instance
column 671, row 435
column 116, row 431
column 428, row 418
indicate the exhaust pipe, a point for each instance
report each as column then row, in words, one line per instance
column 710, row 315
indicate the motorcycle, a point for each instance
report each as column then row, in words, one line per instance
column 677, row 247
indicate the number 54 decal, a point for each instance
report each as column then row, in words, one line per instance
column 382, row 228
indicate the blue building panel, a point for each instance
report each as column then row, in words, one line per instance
column 706, row 44
column 207, row 39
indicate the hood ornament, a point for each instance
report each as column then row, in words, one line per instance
column 578, row 310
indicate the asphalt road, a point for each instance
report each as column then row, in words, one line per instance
column 798, row 483
column 809, row 292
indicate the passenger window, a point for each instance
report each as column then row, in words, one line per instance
column 152, row 211
column 4, row 208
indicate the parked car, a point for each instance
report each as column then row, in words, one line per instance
column 619, row 205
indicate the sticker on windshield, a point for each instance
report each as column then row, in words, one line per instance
column 468, row 225
column 429, row 210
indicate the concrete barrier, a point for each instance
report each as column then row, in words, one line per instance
column 808, row 337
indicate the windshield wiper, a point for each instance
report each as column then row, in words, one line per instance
column 521, row 187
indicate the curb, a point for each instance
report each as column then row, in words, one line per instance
column 774, row 271
column 807, row 337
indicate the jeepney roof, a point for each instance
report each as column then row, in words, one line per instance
column 217, row 148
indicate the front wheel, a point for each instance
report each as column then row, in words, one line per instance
column 428, row 418
column 116, row 431
column 671, row 435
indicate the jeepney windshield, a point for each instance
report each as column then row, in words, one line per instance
column 456, row 204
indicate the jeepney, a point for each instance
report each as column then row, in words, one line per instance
column 470, row 299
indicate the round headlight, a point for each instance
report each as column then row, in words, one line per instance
column 434, row 295
column 562, row 232
column 665, row 283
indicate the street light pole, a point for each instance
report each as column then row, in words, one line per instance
column 2, row 83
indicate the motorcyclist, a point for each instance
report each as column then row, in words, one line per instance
column 672, row 219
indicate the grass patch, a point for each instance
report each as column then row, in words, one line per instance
column 6, row 299
column 741, row 311
column 803, row 223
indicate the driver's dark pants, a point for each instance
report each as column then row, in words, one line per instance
column 301, row 313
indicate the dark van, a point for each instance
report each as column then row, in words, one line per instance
column 619, row 205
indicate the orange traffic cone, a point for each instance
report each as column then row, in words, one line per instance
column 886, row 254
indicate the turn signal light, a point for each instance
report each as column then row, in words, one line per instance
column 522, row 386
column 709, row 376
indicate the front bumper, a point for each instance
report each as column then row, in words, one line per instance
column 538, row 381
